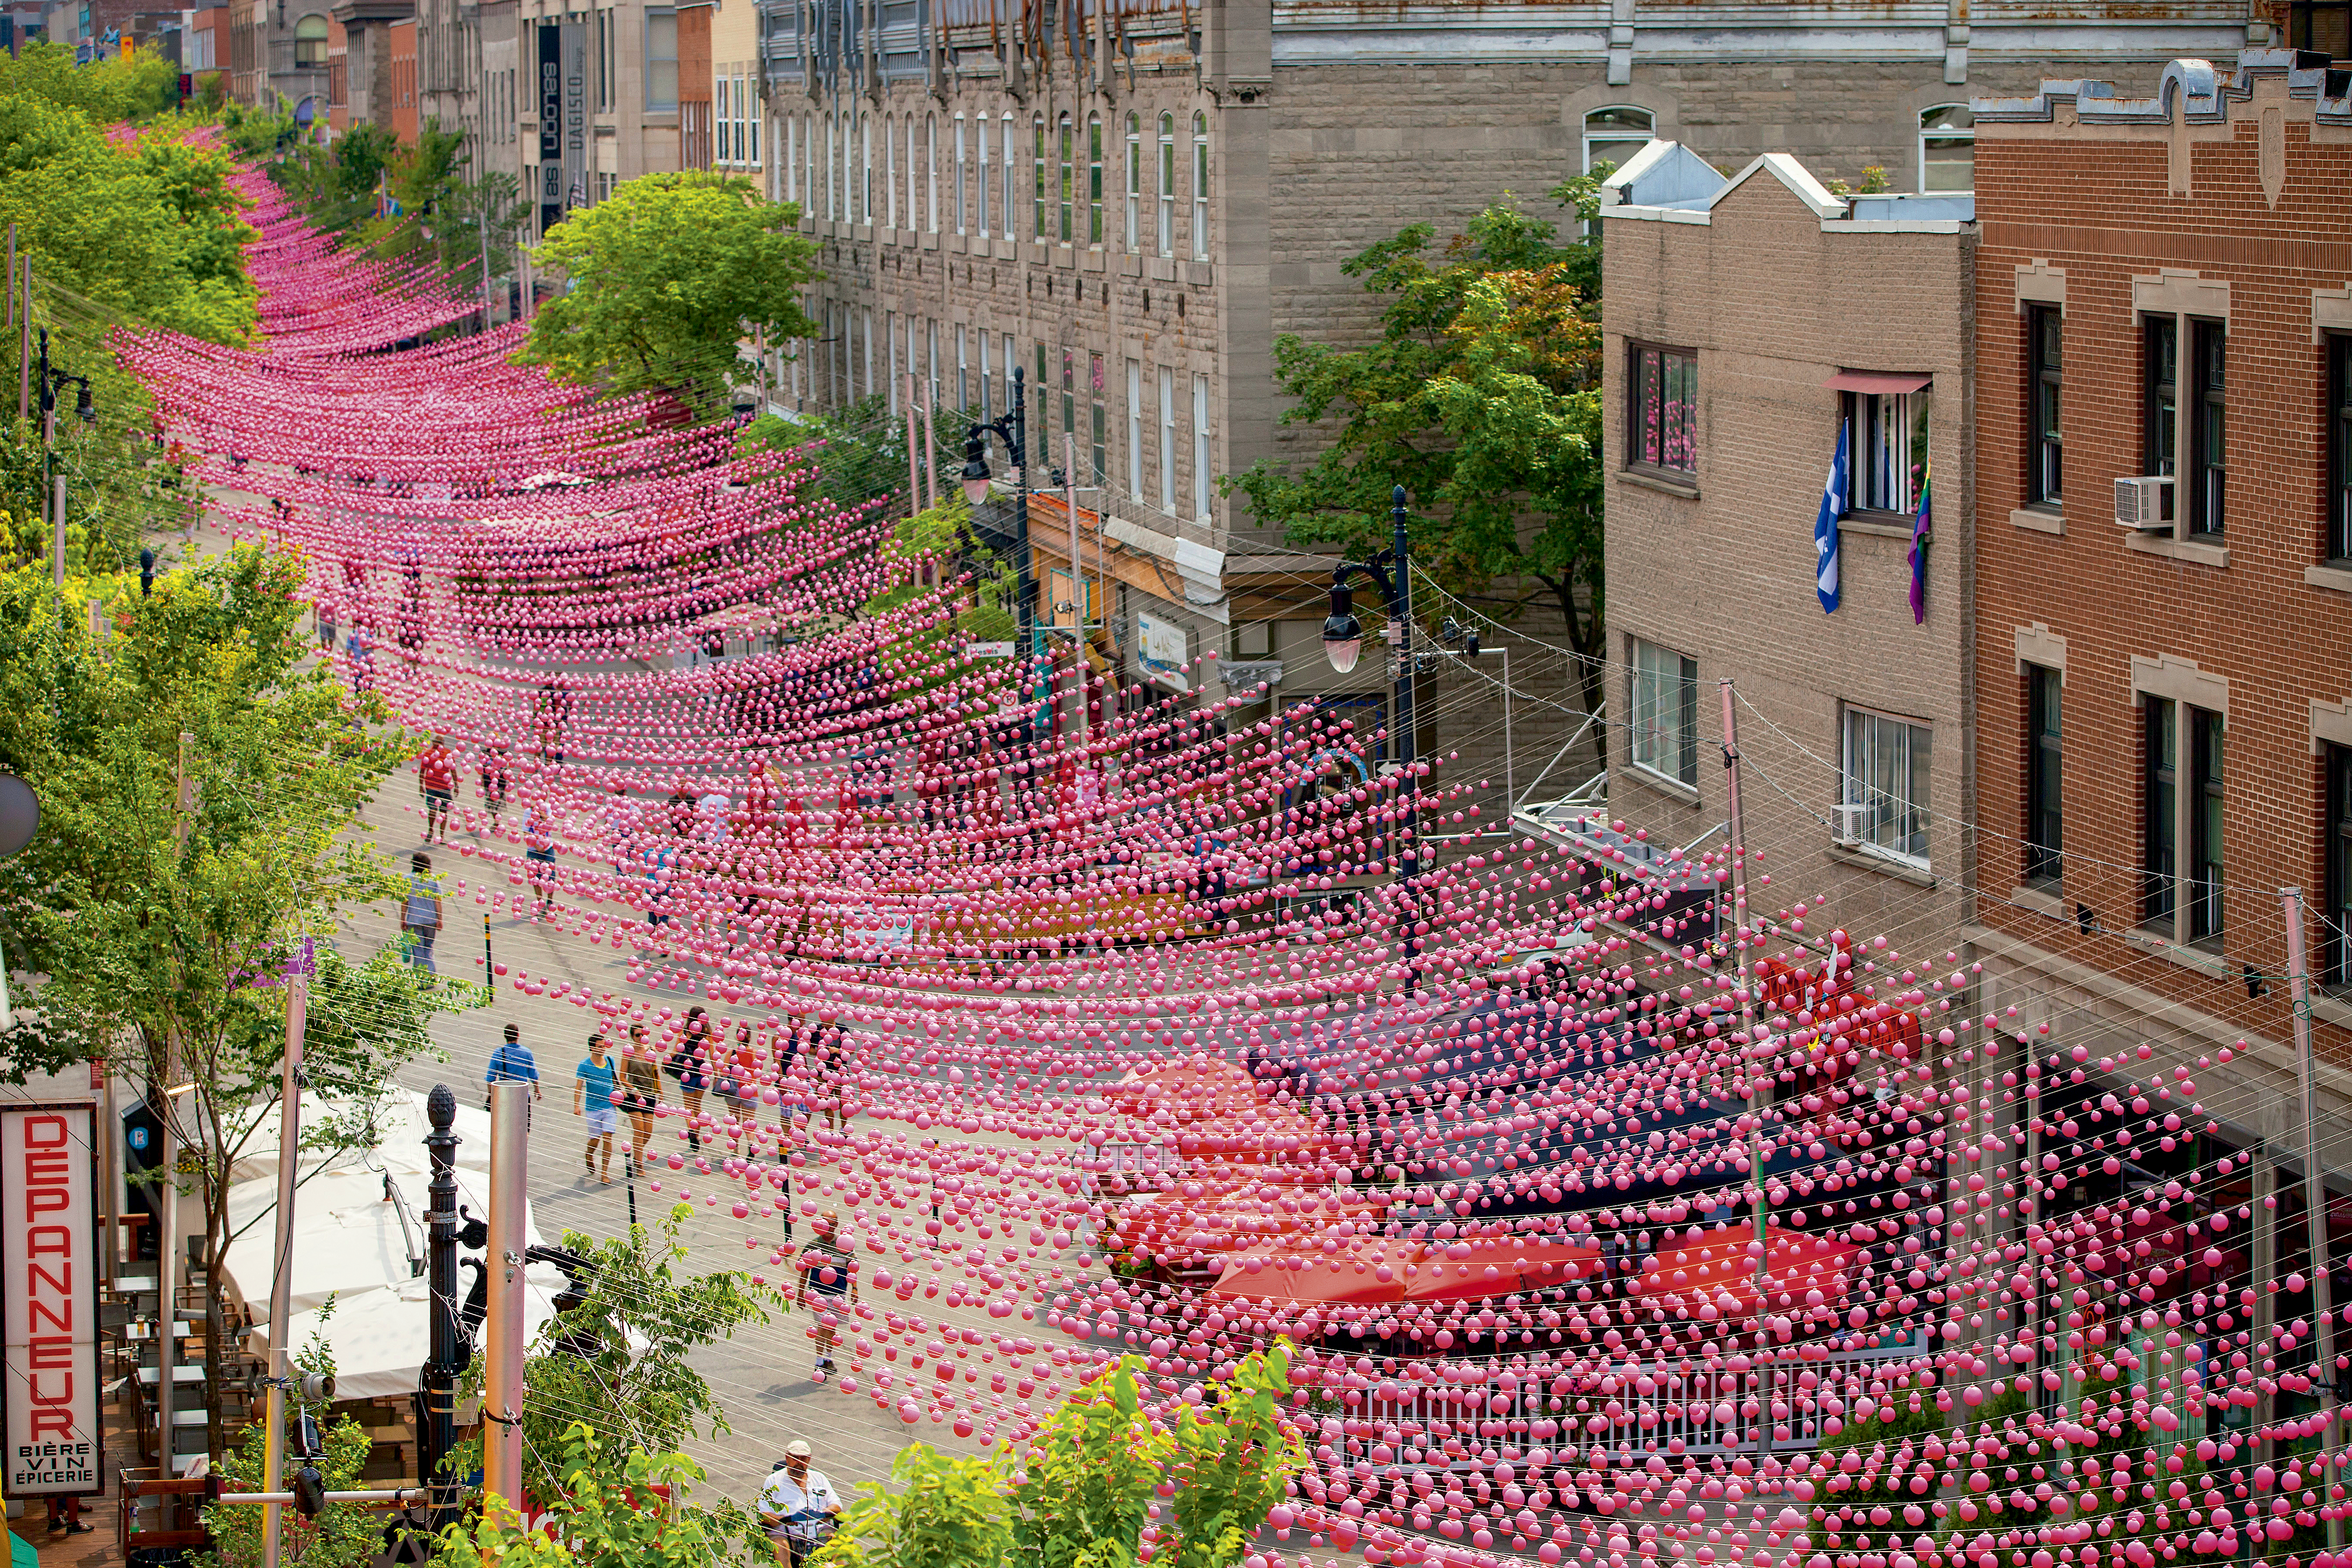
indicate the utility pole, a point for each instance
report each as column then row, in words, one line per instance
column 2314, row 1191
column 1760, row 1087
column 442, row 1365
column 169, row 1252
column 502, row 1391
column 282, row 1279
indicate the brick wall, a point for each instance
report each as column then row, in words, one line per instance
column 2105, row 205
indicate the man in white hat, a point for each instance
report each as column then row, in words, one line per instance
column 797, row 1506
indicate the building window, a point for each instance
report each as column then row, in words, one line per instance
column 1890, row 449
column 1038, row 135
column 2045, row 839
column 1167, row 442
column 2209, row 438
column 914, row 176
column 1065, row 453
column 1885, row 801
column 980, row 162
column 963, row 368
column 1666, row 713
column 987, row 390
column 930, row 173
column 1067, row 144
column 1135, row 430
column 1094, row 179
column 1167, row 186
column 1101, row 422
column 1612, row 136
column 608, row 76
column 890, row 175
column 2184, row 747
column 961, row 175
column 1134, row 179
column 1947, row 151
column 2339, row 449
column 2336, row 956
column 1201, row 466
column 2323, row 26
column 661, row 61
column 1201, row 194
column 310, row 42
column 1037, row 421
column 2160, row 421
column 864, row 213
column 2046, row 340
column 1662, row 410
column 931, row 360
column 1012, row 193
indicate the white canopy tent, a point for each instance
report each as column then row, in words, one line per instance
column 379, row 1338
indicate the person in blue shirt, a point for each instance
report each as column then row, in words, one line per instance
column 592, row 1083
column 512, row 1063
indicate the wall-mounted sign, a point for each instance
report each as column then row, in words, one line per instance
column 48, row 1301
column 550, row 125
column 1160, row 648
column 988, row 650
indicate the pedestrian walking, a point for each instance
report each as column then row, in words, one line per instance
column 640, row 1096
column 798, row 1506
column 539, row 855
column 496, row 780
column 594, row 1084
column 420, row 916
column 742, row 1084
column 826, row 1274
column 513, row 1063
column 691, row 1065
column 436, row 776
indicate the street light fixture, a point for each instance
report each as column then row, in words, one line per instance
column 1012, row 427
column 1390, row 571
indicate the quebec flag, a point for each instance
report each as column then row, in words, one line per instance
column 1825, row 528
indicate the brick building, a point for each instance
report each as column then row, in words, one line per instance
column 2164, row 576
column 1738, row 354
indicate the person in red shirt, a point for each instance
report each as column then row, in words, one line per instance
column 436, row 774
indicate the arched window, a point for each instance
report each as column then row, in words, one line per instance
column 1012, row 185
column 1066, row 143
column 864, row 213
column 1613, row 136
column 932, row 173
column 1201, row 189
column 1167, row 184
column 1134, row 178
column 981, row 164
column 832, row 165
column 1037, row 212
column 310, row 42
column 963, row 176
column 914, row 176
column 1947, row 149
column 890, row 171
column 1094, row 179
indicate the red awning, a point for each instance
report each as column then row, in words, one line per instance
column 1876, row 380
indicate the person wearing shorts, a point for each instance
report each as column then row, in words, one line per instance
column 594, row 1083
column 436, row 774
column 826, row 1274
column 640, row 1095
column 539, row 856
column 795, row 1505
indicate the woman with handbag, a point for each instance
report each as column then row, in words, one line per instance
column 640, row 1096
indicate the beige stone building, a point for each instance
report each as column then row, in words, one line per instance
column 1760, row 329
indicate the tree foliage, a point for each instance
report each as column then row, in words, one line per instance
column 1085, row 1487
column 938, row 1512
column 1480, row 398
column 622, row 1359
column 110, row 89
column 665, row 278
column 1232, row 1461
column 604, row 1508
column 160, row 931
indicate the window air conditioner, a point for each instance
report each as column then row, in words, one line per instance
column 2144, row 503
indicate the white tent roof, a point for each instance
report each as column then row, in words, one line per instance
column 401, row 1127
column 379, row 1338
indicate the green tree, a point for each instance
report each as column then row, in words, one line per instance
column 107, row 89
column 622, row 1359
column 938, row 1512
column 159, row 927
column 1086, row 1483
column 602, row 1510
column 340, row 1537
column 1232, row 1461
column 1480, row 398
column 666, row 278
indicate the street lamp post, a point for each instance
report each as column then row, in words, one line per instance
column 1012, row 427
column 53, row 382
column 1390, row 571
column 444, row 1360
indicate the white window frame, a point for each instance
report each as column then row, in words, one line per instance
column 987, row 393
column 1662, row 698
column 1881, row 445
column 1168, row 188
column 890, row 171
column 1168, row 441
column 961, row 166
column 980, row 164
column 1203, row 467
column 1135, row 430
column 1616, row 135
column 1863, row 733
column 1134, row 179
column 931, row 173
column 1201, row 189
column 1010, row 228
column 1953, row 135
